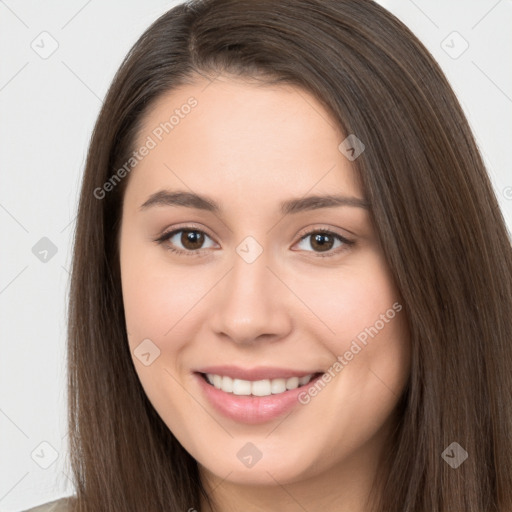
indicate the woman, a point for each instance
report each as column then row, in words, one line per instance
column 292, row 285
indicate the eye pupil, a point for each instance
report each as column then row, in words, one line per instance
column 192, row 237
column 319, row 239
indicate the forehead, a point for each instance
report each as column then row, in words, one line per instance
column 248, row 140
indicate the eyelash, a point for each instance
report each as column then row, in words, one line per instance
column 198, row 252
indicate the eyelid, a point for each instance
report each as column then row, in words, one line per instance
column 322, row 228
column 191, row 226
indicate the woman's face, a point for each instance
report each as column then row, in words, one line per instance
column 259, row 295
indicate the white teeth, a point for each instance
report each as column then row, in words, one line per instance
column 261, row 388
column 292, row 383
column 304, row 380
column 241, row 387
column 277, row 386
column 227, row 384
column 217, row 381
column 264, row 387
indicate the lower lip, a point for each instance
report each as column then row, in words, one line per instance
column 252, row 409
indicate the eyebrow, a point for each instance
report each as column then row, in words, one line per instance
column 192, row 200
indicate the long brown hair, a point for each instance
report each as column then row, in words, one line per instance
column 435, row 213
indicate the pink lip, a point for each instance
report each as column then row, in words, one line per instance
column 258, row 373
column 251, row 409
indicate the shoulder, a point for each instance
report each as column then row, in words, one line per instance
column 61, row 505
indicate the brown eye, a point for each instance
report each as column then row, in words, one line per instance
column 192, row 239
column 327, row 242
column 322, row 241
column 187, row 242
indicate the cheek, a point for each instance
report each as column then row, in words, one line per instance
column 143, row 293
column 156, row 296
column 155, row 303
column 351, row 299
column 154, row 293
column 361, row 323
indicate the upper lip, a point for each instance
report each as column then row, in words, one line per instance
column 256, row 373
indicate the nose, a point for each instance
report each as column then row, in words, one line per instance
column 251, row 304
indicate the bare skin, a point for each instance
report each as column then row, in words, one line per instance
column 249, row 148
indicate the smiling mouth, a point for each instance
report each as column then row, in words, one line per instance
column 265, row 387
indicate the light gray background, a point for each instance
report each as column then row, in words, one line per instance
column 47, row 110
